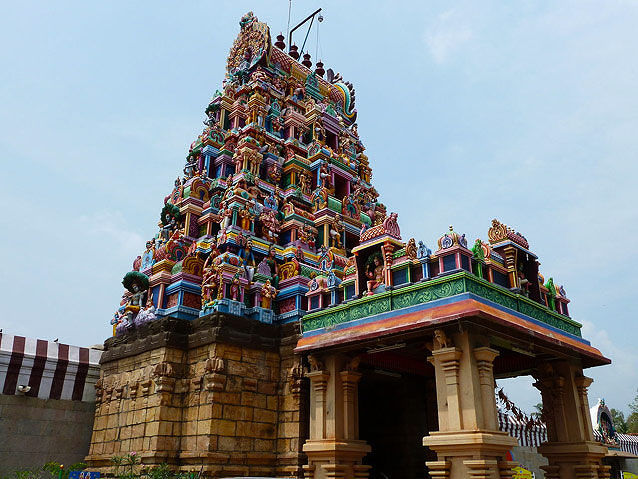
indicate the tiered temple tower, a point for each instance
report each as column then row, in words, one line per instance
column 277, row 284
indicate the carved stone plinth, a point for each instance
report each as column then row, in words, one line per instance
column 604, row 472
column 339, row 459
column 506, row 469
column 480, row 468
column 439, row 469
column 577, row 460
column 454, row 448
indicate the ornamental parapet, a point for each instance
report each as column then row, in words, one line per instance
column 436, row 289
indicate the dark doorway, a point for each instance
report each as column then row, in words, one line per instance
column 396, row 410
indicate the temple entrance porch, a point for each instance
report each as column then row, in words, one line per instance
column 397, row 408
column 372, row 397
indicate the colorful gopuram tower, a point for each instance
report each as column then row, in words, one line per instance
column 278, row 325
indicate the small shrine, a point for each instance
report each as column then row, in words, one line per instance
column 278, row 324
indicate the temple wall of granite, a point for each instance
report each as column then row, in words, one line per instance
column 226, row 409
column 37, row 431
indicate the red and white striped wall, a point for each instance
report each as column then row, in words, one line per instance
column 52, row 370
column 534, row 436
column 528, row 436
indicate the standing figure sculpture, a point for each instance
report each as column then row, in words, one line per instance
column 235, row 287
column 268, row 293
column 271, row 261
column 210, row 285
column 336, row 230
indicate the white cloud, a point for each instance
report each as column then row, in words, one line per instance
column 111, row 229
column 447, row 34
column 620, row 387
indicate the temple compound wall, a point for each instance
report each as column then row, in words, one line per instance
column 46, row 402
column 221, row 394
column 38, row 431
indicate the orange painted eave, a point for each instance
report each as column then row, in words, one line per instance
column 439, row 315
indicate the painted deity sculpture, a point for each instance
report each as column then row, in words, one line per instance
column 210, row 286
column 271, row 261
column 336, row 230
column 375, row 273
column 169, row 221
column 268, row 293
column 137, row 285
column 235, row 287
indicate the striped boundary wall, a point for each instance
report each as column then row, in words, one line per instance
column 526, row 436
column 52, row 370
column 535, row 435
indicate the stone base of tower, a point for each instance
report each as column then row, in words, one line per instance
column 221, row 394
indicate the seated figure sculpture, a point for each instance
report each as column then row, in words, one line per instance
column 137, row 284
column 374, row 271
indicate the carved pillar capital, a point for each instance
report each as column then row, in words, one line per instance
column 318, row 380
column 449, row 359
column 582, row 383
column 349, row 381
column 484, row 357
column 295, row 377
column 485, row 363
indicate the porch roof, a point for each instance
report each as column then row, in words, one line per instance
column 460, row 296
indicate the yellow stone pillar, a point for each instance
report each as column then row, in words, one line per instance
column 468, row 443
column 571, row 450
column 333, row 449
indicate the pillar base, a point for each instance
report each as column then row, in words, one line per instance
column 328, row 458
column 463, row 454
column 574, row 460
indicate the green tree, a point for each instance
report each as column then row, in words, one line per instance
column 619, row 420
column 632, row 420
column 539, row 411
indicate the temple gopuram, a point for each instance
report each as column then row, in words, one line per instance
column 277, row 324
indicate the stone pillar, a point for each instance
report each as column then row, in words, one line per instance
column 468, row 443
column 485, row 361
column 571, row 450
column 349, row 382
column 333, row 449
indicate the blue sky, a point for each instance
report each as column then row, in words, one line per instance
column 522, row 111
